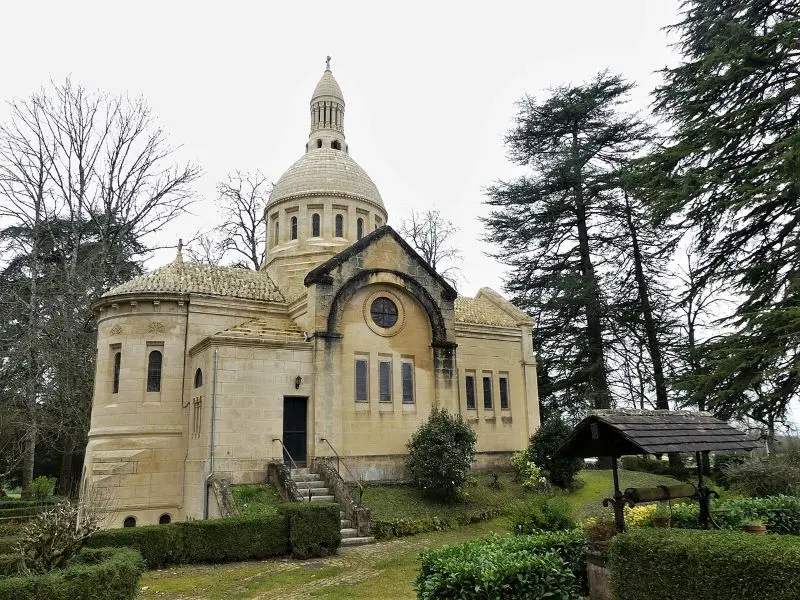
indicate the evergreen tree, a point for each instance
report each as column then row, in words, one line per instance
column 730, row 175
column 547, row 224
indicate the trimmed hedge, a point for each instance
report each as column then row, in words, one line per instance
column 672, row 564
column 93, row 574
column 4, row 504
column 7, row 543
column 534, row 567
column 22, row 511
column 402, row 526
column 9, row 564
column 781, row 514
column 314, row 529
column 216, row 540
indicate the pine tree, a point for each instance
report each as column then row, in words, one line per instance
column 546, row 224
column 730, row 175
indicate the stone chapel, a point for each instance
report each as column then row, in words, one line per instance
column 343, row 341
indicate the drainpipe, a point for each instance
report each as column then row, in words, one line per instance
column 213, row 431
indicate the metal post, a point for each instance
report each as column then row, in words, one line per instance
column 618, row 501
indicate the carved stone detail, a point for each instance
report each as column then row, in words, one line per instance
column 157, row 327
column 116, row 329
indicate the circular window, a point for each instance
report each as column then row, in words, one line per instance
column 383, row 312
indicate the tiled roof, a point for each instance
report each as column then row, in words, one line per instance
column 481, row 311
column 328, row 86
column 194, row 278
column 269, row 328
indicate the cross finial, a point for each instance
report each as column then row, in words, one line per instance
column 328, row 63
column 179, row 255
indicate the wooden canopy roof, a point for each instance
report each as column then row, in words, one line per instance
column 624, row 432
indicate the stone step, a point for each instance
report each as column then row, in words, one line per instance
column 314, row 483
column 345, row 523
column 357, row 541
column 330, row 499
column 305, row 477
column 349, row 532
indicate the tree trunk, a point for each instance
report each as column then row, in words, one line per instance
column 65, row 475
column 594, row 329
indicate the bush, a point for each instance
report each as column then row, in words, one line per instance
column 25, row 503
column 93, row 574
column 216, row 540
column 542, row 449
column 542, row 513
column 539, row 566
column 440, row 454
column 528, row 472
column 655, row 466
column 22, row 511
column 404, row 526
column 723, row 462
column 781, row 514
column 669, row 564
column 8, row 543
column 761, row 476
column 314, row 529
column 42, row 488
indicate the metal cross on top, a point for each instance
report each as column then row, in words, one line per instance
column 328, row 63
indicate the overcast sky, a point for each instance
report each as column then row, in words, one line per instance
column 429, row 86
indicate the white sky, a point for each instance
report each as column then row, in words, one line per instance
column 429, row 86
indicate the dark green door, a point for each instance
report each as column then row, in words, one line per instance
column 295, row 412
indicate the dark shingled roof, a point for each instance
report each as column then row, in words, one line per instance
column 624, row 432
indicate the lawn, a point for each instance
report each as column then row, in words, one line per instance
column 257, row 500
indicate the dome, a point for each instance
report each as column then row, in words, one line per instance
column 327, row 86
column 326, row 172
column 180, row 277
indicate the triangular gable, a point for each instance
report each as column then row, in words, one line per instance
column 322, row 273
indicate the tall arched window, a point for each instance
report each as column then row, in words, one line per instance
column 315, row 225
column 117, row 364
column 198, row 378
column 339, row 226
column 294, row 228
column 154, row 371
column 276, row 239
column 360, row 228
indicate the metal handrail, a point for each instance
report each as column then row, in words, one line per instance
column 294, row 464
column 338, row 462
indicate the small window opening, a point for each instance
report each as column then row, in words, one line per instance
column 154, row 371
column 319, row 143
column 339, row 226
column 117, row 364
column 276, row 240
column 470, row 385
column 336, row 145
column 129, row 522
column 360, row 228
column 198, row 378
column 164, row 519
column 315, row 225
column 294, row 228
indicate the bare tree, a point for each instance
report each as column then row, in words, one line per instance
column 206, row 248
column 432, row 236
column 243, row 200
column 84, row 180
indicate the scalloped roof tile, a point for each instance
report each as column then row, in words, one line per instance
column 194, row 278
column 481, row 311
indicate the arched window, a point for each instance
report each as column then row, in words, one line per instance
column 294, row 228
column 360, row 228
column 319, row 143
column 315, row 225
column 336, row 145
column 117, row 363
column 164, row 519
column 339, row 226
column 198, row 378
column 154, row 371
column 129, row 522
column 276, row 239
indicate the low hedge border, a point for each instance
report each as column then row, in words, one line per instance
column 7, row 543
column 22, row 511
column 93, row 574
column 4, row 504
column 683, row 564
column 384, row 529
column 536, row 566
column 304, row 530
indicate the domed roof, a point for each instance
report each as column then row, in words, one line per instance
column 326, row 172
column 193, row 278
column 327, row 86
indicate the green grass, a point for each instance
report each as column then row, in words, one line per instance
column 599, row 484
column 256, row 500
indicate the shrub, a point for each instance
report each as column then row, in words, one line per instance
column 781, row 514
column 216, row 540
column 440, row 454
column 722, row 462
column 404, row 526
column 93, row 574
column 8, row 543
column 42, row 487
column 528, row 472
column 539, row 566
column 4, row 504
column 314, row 529
column 669, row 564
column 22, row 511
column 655, row 466
column 542, row 513
column 542, row 449
column 762, row 476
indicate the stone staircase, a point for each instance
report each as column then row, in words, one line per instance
column 312, row 489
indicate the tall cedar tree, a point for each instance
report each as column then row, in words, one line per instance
column 545, row 224
column 731, row 176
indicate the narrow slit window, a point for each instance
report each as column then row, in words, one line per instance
column 294, row 228
column 360, row 228
column 117, row 365
column 339, row 226
column 504, row 405
column 315, row 225
column 198, row 378
column 408, row 382
column 362, row 380
column 276, row 240
column 385, row 380
column 154, row 371
column 487, row 392
column 470, row 385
